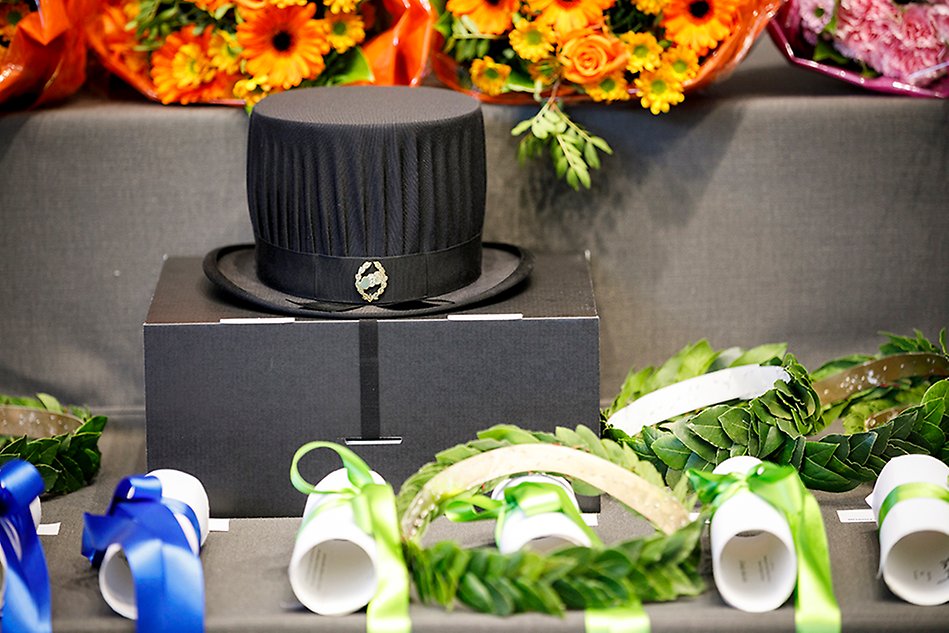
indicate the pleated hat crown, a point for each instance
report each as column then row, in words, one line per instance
column 362, row 195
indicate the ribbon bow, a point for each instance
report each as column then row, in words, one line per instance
column 26, row 599
column 374, row 512
column 166, row 570
column 530, row 497
column 816, row 609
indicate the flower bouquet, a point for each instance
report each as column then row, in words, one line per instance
column 42, row 50
column 553, row 51
column 897, row 47
column 233, row 52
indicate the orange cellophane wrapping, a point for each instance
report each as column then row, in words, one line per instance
column 397, row 56
column 751, row 19
column 46, row 60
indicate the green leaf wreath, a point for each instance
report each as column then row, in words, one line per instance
column 658, row 567
column 68, row 461
column 777, row 425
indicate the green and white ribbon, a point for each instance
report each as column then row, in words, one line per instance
column 532, row 498
column 374, row 512
column 816, row 609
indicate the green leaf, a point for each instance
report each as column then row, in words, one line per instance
column 761, row 355
column 355, row 69
column 671, row 451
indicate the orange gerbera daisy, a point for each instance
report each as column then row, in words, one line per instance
column 120, row 41
column 287, row 45
column 181, row 68
column 570, row 15
column 211, row 5
column 491, row 17
column 699, row 24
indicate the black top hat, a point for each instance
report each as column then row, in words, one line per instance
column 366, row 202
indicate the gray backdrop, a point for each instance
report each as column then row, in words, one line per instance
column 779, row 205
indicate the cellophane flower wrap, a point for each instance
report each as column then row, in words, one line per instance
column 883, row 45
column 42, row 50
column 217, row 51
column 648, row 51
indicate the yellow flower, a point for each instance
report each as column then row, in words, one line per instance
column 612, row 88
column 345, row 31
column 491, row 17
column 224, row 51
column 250, row 90
column 644, row 51
column 210, row 5
column 567, row 16
column 651, row 7
column 286, row 45
column 699, row 24
column 682, row 62
column 489, row 77
column 532, row 41
column 341, row 6
column 545, row 72
column 659, row 90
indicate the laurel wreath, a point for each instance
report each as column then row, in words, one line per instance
column 68, row 461
column 775, row 426
column 658, row 567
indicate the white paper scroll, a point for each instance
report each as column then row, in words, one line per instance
column 743, row 382
column 540, row 532
column 753, row 558
column 115, row 576
column 914, row 537
column 333, row 565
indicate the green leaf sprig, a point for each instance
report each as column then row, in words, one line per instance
column 67, row 462
column 573, row 150
column 658, row 567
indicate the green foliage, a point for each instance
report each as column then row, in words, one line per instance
column 157, row 19
column 501, row 435
column 656, row 568
column 573, row 150
column 66, row 462
column 855, row 410
column 462, row 38
column 777, row 425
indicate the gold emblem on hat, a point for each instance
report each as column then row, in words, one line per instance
column 371, row 280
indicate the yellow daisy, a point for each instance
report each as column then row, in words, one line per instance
column 532, row 41
column 10, row 16
column 611, row 88
column 489, row 77
column 658, row 91
column 224, row 51
column 645, row 53
column 341, row 6
column 651, row 7
column 568, row 16
column 344, row 31
column 251, row 90
column 682, row 62
column 181, row 68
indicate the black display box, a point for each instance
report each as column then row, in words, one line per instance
column 231, row 393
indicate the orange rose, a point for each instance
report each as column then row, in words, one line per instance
column 591, row 55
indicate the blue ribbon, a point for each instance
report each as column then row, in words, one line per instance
column 169, row 580
column 26, row 600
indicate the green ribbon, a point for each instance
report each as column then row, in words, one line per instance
column 530, row 497
column 629, row 619
column 816, row 609
column 374, row 512
column 915, row 490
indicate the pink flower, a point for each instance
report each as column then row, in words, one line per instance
column 814, row 14
column 919, row 47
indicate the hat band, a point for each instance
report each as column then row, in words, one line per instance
column 376, row 280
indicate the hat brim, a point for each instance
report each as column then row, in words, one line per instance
column 234, row 270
